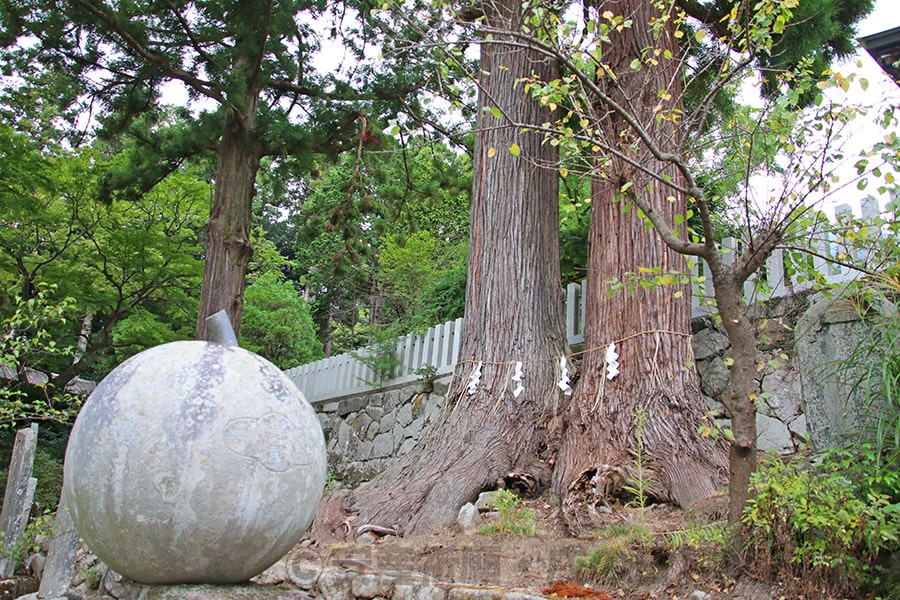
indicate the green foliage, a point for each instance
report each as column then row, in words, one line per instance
column 38, row 527
column 382, row 242
column 25, row 394
column 47, row 469
column 380, row 357
column 823, row 525
column 640, row 477
column 113, row 260
column 419, row 277
column 425, row 374
column 619, row 546
column 331, row 482
column 277, row 323
column 574, row 220
column 709, row 544
column 873, row 370
column 831, row 522
column 266, row 257
column 817, row 32
column 513, row 515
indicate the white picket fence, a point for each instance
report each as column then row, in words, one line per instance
column 343, row 375
column 337, row 377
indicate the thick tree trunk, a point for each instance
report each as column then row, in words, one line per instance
column 647, row 417
column 514, row 312
column 228, row 246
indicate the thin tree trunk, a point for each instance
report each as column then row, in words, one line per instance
column 228, row 246
column 514, row 313
column 742, row 385
column 83, row 336
column 647, row 417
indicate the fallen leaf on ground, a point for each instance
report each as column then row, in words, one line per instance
column 572, row 589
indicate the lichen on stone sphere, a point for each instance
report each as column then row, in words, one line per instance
column 194, row 462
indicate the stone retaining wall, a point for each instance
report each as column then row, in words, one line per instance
column 366, row 433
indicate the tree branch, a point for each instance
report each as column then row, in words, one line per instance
column 202, row 87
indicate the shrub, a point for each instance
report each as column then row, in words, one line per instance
column 827, row 525
column 619, row 552
column 513, row 516
column 278, row 323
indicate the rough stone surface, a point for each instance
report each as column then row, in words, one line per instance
column 418, row 592
column 466, row 593
column 383, row 445
column 468, row 518
column 772, row 434
column 404, row 415
column 194, row 462
column 709, row 342
column 371, row 585
column 713, row 376
column 303, row 568
column 394, row 421
column 827, row 334
column 798, row 426
column 782, row 389
column 208, row 592
column 20, row 486
column 274, row 575
column 485, row 500
column 62, row 550
column 336, row 585
column 521, row 596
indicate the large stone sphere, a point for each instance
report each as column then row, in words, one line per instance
column 194, row 462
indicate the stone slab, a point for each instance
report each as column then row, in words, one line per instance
column 57, row 574
column 17, row 499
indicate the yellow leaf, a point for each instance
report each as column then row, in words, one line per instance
column 678, row 294
column 700, row 35
column 515, row 150
column 564, row 172
column 491, row 152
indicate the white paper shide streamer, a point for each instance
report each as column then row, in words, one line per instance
column 612, row 362
column 563, row 383
column 475, row 379
column 517, row 378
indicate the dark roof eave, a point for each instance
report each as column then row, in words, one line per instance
column 884, row 47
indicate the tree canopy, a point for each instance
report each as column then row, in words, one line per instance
column 250, row 66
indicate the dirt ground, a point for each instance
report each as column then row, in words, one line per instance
column 533, row 563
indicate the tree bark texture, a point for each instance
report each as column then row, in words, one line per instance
column 647, row 417
column 741, row 393
column 514, row 313
column 228, row 248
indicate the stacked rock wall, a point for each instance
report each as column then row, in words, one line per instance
column 365, row 434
